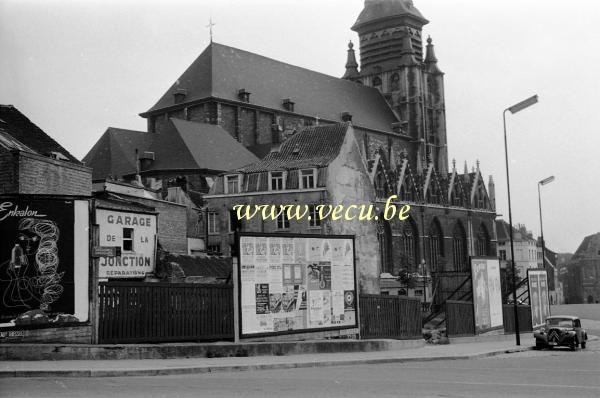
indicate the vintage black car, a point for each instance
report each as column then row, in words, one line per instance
column 561, row 330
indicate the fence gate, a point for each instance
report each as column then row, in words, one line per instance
column 138, row 312
column 390, row 317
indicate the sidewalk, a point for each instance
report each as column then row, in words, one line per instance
column 154, row 367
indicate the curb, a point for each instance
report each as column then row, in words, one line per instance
column 240, row 368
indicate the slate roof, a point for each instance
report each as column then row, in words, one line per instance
column 184, row 146
column 107, row 200
column 315, row 146
column 16, row 125
column 114, row 153
column 216, row 267
column 221, row 71
column 384, row 9
column 589, row 248
column 192, row 145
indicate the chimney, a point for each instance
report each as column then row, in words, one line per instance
column 346, row 117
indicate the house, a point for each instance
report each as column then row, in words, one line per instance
column 327, row 165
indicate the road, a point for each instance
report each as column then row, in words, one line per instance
column 555, row 373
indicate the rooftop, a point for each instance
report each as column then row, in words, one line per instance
column 221, row 71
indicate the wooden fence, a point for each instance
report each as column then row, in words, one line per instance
column 460, row 319
column 390, row 317
column 524, row 313
column 137, row 312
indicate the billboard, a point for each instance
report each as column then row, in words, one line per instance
column 135, row 234
column 487, row 293
column 538, row 296
column 44, row 261
column 296, row 283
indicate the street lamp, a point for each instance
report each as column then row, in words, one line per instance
column 514, row 109
column 541, row 183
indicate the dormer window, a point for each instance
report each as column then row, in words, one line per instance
column 288, row 105
column 179, row 95
column 308, row 178
column 233, row 184
column 244, row 95
column 58, row 156
column 277, row 179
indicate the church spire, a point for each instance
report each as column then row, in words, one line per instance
column 351, row 65
column 431, row 60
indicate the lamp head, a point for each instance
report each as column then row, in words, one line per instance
column 547, row 180
column 523, row 104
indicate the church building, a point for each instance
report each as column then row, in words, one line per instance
column 390, row 99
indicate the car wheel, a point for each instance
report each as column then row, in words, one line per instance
column 539, row 344
column 583, row 344
column 573, row 345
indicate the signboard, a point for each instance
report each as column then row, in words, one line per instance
column 538, row 296
column 296, row 283
column 105, row 251
column 487, row 293
column 44, row 261
column 134, row 235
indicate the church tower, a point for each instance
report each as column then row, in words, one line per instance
column 395, row 59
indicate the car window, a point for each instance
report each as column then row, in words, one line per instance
column 565, row 323
column 577, row 323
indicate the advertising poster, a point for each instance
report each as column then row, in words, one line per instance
column 487, row 294
column 295, row 284
column 43, row 264
column 135, row 234
column 538, row 296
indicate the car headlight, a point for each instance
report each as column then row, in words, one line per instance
column 542, row 330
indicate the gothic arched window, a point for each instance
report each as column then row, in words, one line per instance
column 395, row 82
column 482, row 242
column 384, row 235
column 459, row 248
column 435, row 246
column 410, row 246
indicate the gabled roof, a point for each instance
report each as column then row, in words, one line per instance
column 221, row 71
column 198, row 146
column 183, row 146
column 26, row 134
column 315, row 146
column 114, row 153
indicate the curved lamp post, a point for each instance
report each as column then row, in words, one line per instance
column 514, row 109
column 540, row 184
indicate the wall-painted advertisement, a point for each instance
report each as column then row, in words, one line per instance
column 44, row 262
column 538, row 296
column 487, row 293
column 135, row 235
column 298, row 283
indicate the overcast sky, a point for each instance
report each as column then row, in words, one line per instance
column 76, row 67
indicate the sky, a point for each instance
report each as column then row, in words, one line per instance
column 77, row 67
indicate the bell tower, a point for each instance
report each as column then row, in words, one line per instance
column 395, row 59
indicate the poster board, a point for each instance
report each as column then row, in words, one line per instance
column 134, row 263
column 487, row 294
column 44, row 261
column 296, row 283
column 537, row 280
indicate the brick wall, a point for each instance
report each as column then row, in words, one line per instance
column 7, row 172
column 66, row 335
column 172, row 224
column 41, row 175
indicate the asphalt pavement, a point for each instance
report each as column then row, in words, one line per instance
column 556, row 373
